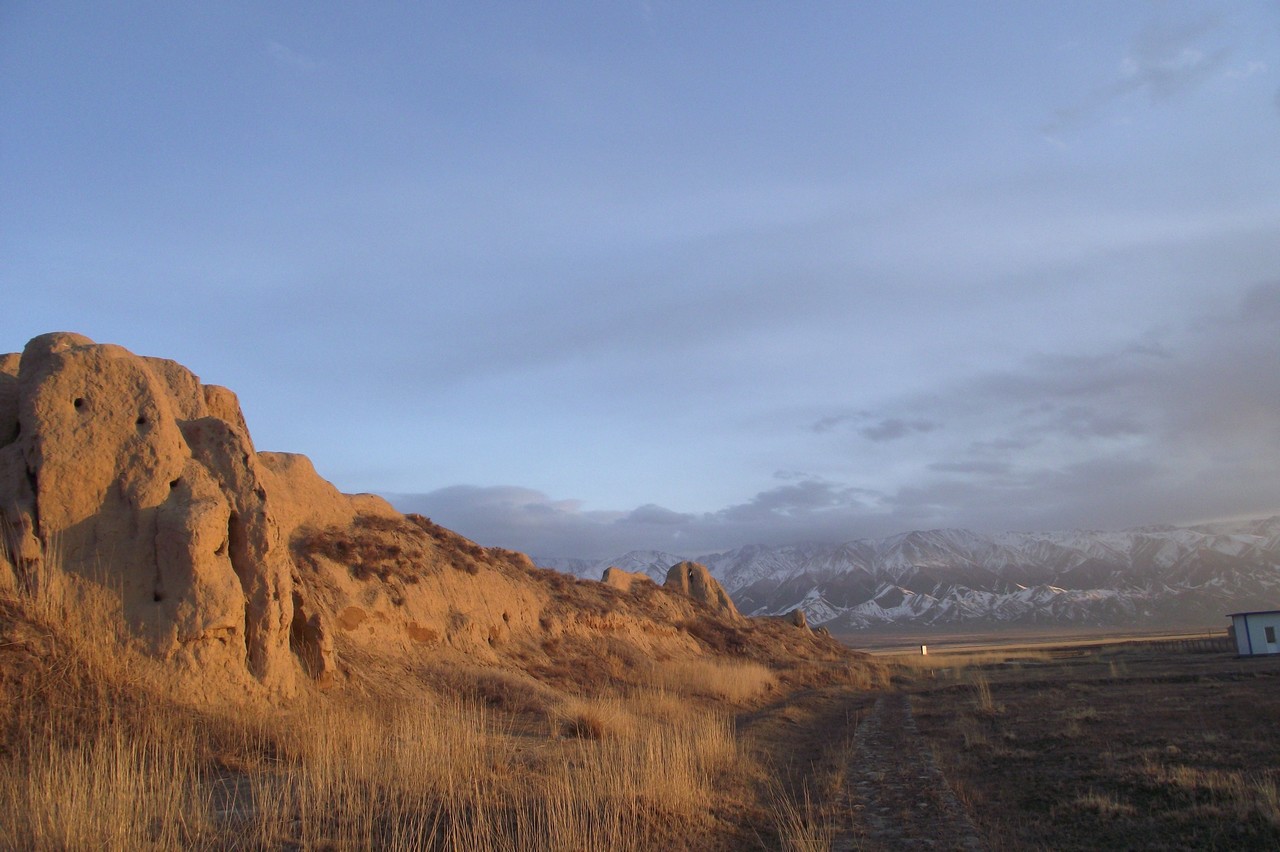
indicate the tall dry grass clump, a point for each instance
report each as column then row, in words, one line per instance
column 448, row 774
column 802, row 824
column 116, row 789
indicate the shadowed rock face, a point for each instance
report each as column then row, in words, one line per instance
column 694, row 580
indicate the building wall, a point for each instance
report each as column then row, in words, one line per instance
column 1252, row 633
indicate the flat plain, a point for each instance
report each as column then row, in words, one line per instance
column 1116, row 745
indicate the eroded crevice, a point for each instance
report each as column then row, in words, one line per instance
column 237, row 547
column 33, row 481
column 304, row 639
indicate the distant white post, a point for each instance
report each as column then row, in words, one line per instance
column 924, row 650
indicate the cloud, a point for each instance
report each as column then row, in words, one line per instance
column 885, row 429
column 1168, row 60
column 654, row 514
column 530, row 521
column 893, row 428
column 1165, row 61
column 795, row 501
column 826, row 424
column 1250, row 69
column 290, row 59
column 991, row 468
column 1176, row 427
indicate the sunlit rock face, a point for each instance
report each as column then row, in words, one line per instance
column 126, row 479
column 694, row 580
column 119, row 471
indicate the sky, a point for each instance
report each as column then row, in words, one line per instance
column 582, row 278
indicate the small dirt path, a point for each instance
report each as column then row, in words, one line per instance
column 896, row 791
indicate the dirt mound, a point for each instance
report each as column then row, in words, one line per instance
column 252, row 574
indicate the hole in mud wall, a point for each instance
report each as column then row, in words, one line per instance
column 79, row 403
column 157, row 597
column 141, row 421
column 175, row 483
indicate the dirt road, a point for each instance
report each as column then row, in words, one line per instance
column 898, row 797
column 859, row 759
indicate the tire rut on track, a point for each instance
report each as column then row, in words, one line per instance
column 896, row 790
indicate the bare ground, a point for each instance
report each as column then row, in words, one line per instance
column 1138, row 745
column 858, row 760
column 900, row 798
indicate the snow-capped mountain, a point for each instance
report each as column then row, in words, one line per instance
column 1150, row 575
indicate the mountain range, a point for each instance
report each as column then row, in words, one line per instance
column 1150, row 576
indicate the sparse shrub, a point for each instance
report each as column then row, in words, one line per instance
column 372, row 547
column 983, row 702
column 1104, row 805
column 1081, row 714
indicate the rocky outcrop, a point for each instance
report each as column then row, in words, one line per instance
column 694, row 580
column 624, row 581
column 253, row 575
column 796, row 618
column 8, row 398
column 120, row 472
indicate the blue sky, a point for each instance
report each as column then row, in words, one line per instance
column 577, row 278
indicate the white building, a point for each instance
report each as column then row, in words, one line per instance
column 1256, row 632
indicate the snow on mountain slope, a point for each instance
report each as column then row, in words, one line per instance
column 1157, row 575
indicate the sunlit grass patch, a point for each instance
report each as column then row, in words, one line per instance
column 730, row 680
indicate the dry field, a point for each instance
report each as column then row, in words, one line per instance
column 1116, row 746
column 1132, row 746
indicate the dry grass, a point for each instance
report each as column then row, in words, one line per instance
column 444, row 773
column 982, row 700
column 95, row 752
column 734, row 681
column 1119, row 748
column 98, row 756
column 90, row 763
column 949, row 662
column 115, row 791
column 803, row 826
column 1236, row 793
column 1104, row 805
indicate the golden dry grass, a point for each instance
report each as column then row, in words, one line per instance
column 100, row 756
column 948, row 661
column 736, row 681
column 803, row 825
